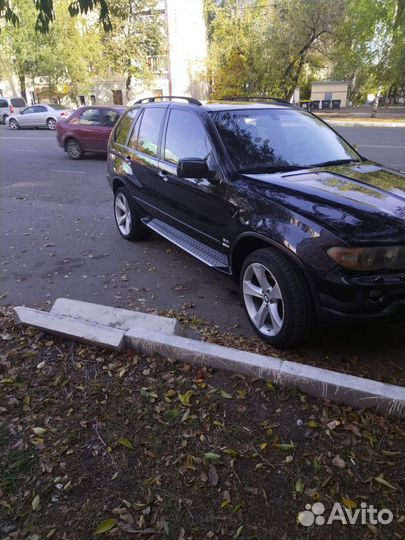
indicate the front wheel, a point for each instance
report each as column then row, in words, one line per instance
column 13, row 124
column 276, row 298
column 51, row 123
column 126, row 218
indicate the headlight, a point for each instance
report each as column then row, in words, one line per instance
column 369, row 258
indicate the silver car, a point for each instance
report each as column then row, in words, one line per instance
column 37, row 116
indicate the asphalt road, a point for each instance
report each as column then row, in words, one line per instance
column 59, row 239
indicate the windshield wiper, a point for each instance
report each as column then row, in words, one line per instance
column 271, row 169
column 335, row 162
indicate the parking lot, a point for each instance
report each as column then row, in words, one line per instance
column 58, row 239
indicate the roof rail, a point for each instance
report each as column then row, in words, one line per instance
column 152, row 99
column 259, row 99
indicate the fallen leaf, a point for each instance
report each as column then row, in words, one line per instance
column 384, row 482
column 339, row 462
column 105, row 526
column 349, row 503
column 39, row 431
column 125, row 442
column 185, row 398
column 225, row 395
column 211, row 456
column 212, row 475
column 299, row 486
column 35, row 502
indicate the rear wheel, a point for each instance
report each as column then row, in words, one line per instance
column 73, row 149
column 5, row 116
column 13, row 124
column 126, row 217
column 51, row 123
column 276, row 298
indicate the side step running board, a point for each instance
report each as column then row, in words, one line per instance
column 200, row 251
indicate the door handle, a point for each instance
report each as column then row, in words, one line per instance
column 163, row 175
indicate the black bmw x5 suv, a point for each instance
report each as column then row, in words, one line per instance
column 272, row 195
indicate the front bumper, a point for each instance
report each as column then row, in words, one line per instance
column 357, row 299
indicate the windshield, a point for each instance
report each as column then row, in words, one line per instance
column 279, row 139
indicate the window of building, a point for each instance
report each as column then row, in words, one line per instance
column 117, row 97
column 93, row 99
column 82, row 100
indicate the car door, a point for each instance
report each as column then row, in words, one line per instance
column 25, row 117
column 199, row 206
column 40, row 115
column 142, row 160
column 88, row 130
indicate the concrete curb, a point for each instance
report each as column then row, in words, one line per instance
column 355, row 391
column 150, row 334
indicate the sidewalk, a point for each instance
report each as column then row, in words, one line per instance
column 361, row 116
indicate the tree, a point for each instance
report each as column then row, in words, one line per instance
column 136, row 37
column 64, row 57
column 370, row 47
column 46, row 12
column 264, row 47
column 20, row 45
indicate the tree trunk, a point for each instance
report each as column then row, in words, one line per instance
column 128, row 87
column 23, row 87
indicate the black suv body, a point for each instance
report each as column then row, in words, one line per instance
column 271, row 195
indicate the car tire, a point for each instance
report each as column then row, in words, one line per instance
column 276, row 298
column 5, row 116
column 51, row 124
column 128, row 223
column 73, row 149
column 13, row 124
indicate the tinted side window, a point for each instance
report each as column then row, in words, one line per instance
column 186, row 137
column 18, row 102
column 3, row 103
column 149, row 131
column 39, row 109
column 133, row 139
column 123, row 128
column 90, row 117
column 28, row 110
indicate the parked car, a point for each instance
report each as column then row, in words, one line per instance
column 10, row 105
column 270, row 194
column 37, row 116
column 87, row 130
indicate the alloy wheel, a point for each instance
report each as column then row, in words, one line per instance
column 51, row 123
column 122, row 214
column 13, row 124
column 263, row 299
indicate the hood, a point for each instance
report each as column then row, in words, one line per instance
column 362, row 204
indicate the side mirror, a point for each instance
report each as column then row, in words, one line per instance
column 194, row 168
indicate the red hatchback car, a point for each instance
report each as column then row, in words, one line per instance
column 87, row 129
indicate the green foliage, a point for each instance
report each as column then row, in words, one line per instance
column 370, row 47
column 269, row 48
column 137, row 35
column 263, row 48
